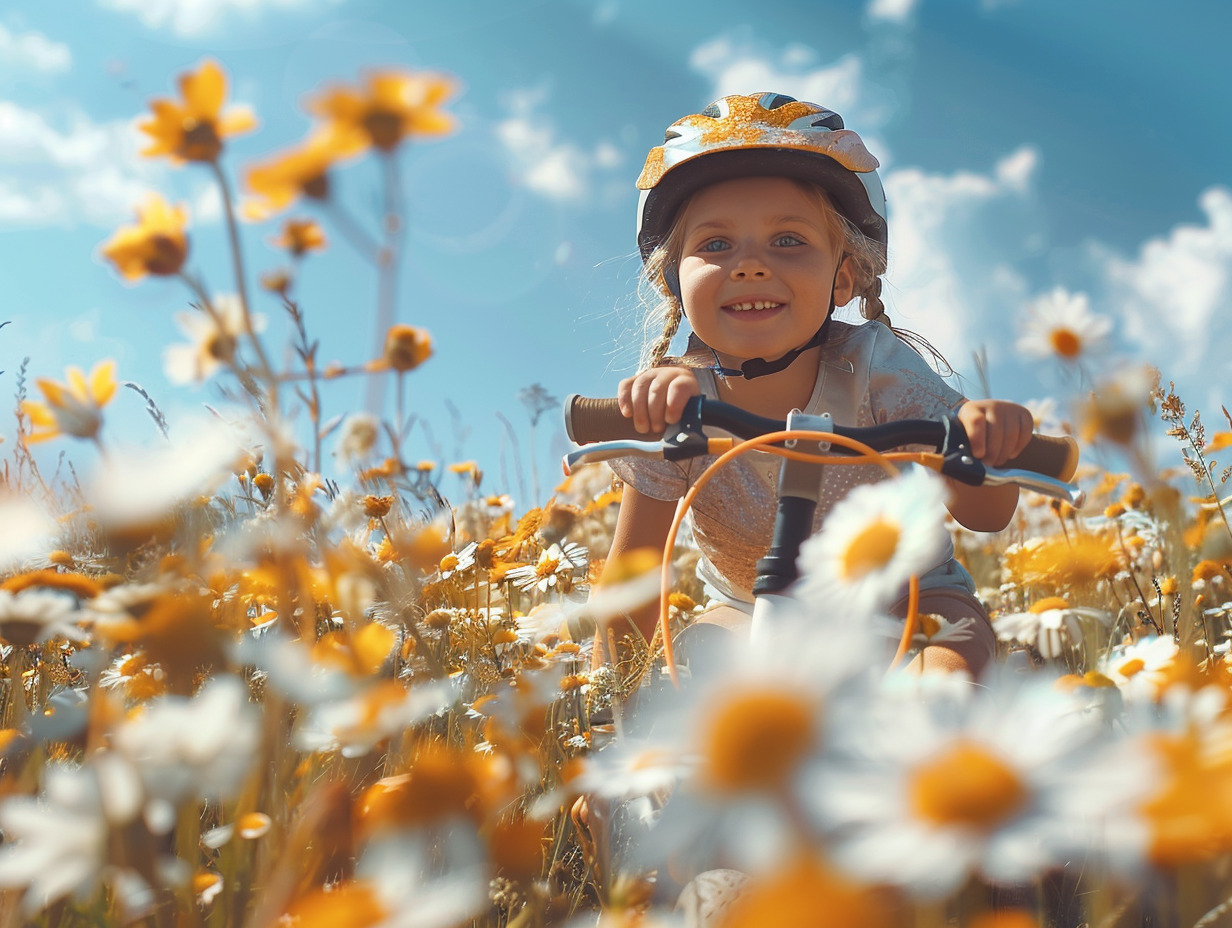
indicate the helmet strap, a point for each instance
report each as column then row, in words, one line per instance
column 760, row 367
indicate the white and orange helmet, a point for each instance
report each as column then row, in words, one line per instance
column 760, row 134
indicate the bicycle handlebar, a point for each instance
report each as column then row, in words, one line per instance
column 589, row 419
column 1045, row 466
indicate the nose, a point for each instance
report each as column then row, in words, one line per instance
column 750, row 267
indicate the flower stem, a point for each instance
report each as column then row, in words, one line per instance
column 241, row 283
column 387, row 262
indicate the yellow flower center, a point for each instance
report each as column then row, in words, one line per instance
column 164, row 255
column 546, row 566
column 1065, row 342
column 1131, row 667
column 756, row 739
column 966, row 785
column 200, row 141
column 870, row 550
column 384, row 128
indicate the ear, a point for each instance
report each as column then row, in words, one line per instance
column 844, row 282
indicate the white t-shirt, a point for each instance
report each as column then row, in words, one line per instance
column 867, row 376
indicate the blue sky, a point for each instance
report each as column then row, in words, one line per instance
column 1026, row 145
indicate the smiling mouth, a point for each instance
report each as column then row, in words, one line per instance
column 751, row 305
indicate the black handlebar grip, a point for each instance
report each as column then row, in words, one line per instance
column 590, row 419
column 1052, row 455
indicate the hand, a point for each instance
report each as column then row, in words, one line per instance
column 655, row 398
column 998, row 430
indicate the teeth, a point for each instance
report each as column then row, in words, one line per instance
column 756, row 304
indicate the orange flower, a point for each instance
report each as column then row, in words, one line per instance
column 406, row 347
column 156, row 245
column 389, row 107
column 300, row 236
column 300, row 171
column 73, row 408
column 193, row 130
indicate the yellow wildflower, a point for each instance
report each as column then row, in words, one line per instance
column 389, row 107
column 73, row 408
column 299, row 171
column 193, row 130
column 406, row 347
column 155, row 245
column 300, row 236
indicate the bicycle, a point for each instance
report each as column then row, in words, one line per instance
column 805, row 442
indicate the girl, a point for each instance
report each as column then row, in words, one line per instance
column 757, row 217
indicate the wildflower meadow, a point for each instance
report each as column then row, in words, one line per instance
column 285, row 675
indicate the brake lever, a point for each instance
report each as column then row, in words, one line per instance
column 959, row 462
column 685, row 439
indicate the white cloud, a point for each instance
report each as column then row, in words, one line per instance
column 78, row 171
column 736, row 66
column 33, row 51
column 558, row 169
column 1177, row 292
column 946, row 269
column 891, row 10
column 199, row 17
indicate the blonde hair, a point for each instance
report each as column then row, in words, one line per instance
column 865, row 257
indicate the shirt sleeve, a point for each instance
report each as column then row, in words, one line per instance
column 657, row 479
column 901, row 385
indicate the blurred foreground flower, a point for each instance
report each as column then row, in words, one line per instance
column 941, row 782
column 194, row 129
column 156, row 245
column 74, row 408
column 215, row 337
column 55, row 845
column 391, row 106
column 300, row 171
column 1061, row 325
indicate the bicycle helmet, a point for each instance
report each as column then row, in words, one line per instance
column 760, row 134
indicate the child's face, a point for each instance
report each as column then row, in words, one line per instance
column 758, row 242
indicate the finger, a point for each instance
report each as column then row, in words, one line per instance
column 624, row 397
column 679, row 392
column 638, row 393
column 656, row 400
column 975, row 437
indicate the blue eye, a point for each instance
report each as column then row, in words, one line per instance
column 788, row 239
column 715, row 244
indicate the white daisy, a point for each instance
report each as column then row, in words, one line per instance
column 28, row 530
column 215, row 338
column 557, row 567
column 187, row 749
column 35, row 615
column 749, row 724
column 1061, row 325
column 1051, row 626
column 1139, row 668
column 55, row 845
column 941, row 780
column 871, row 544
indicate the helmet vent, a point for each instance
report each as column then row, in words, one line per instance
column 772, row 101
column 712, row 111
column 670, row 134
column 829, row 121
